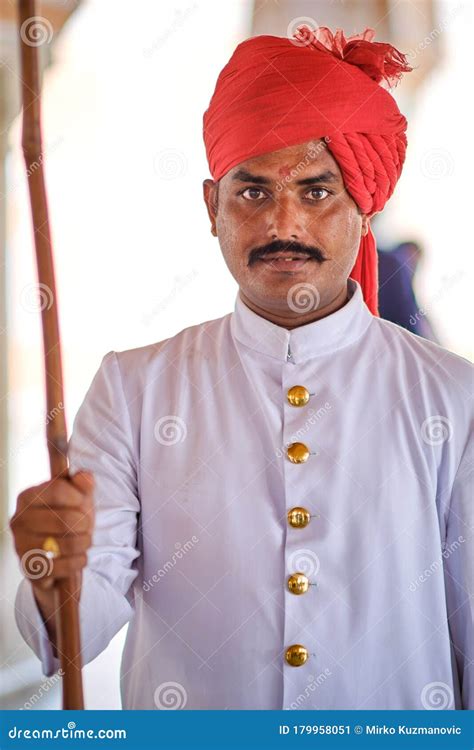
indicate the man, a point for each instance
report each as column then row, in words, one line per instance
column 397, row 301
column 282, row 495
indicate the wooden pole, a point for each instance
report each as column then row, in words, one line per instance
column 67, row 591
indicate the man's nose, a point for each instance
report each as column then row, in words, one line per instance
column 284, row 221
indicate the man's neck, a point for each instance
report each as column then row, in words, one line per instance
column 290, row 319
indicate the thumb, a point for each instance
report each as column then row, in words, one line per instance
column 84, row 481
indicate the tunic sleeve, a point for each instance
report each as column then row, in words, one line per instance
column 459, row 574
column 102, row 443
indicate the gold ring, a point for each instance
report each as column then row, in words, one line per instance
column 51, row 547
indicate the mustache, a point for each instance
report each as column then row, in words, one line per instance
column 278, row 246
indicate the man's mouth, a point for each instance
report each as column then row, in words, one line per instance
column 285, row 261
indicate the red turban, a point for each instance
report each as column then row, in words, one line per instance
column 276, row 92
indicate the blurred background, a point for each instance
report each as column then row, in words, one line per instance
column 124, row 90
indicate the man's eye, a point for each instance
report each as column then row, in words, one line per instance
column 317, row 194
column 251, row 193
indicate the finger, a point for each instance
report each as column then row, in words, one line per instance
column 84, row 481
column 64, row 567
column 51, row 523
column 60, row 493
column 53, row 570
column 68, row 545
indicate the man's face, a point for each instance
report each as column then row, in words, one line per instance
column 289, row 203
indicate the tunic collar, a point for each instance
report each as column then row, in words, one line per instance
column 324, row 336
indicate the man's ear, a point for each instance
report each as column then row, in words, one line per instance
column 210, row 192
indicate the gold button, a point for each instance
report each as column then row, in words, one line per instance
column 298, row 395
column 296, row 655
column 298, row 583
column 298, row 517
column 298, row 453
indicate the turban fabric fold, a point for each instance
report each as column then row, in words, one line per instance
column 277, row 92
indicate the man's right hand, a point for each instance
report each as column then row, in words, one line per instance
column 64, row 510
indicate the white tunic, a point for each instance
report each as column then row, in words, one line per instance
column 187, row 439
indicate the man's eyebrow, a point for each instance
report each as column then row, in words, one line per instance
column 245, row 176
column 327, row 176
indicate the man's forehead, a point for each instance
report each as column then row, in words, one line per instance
column 300, row 160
